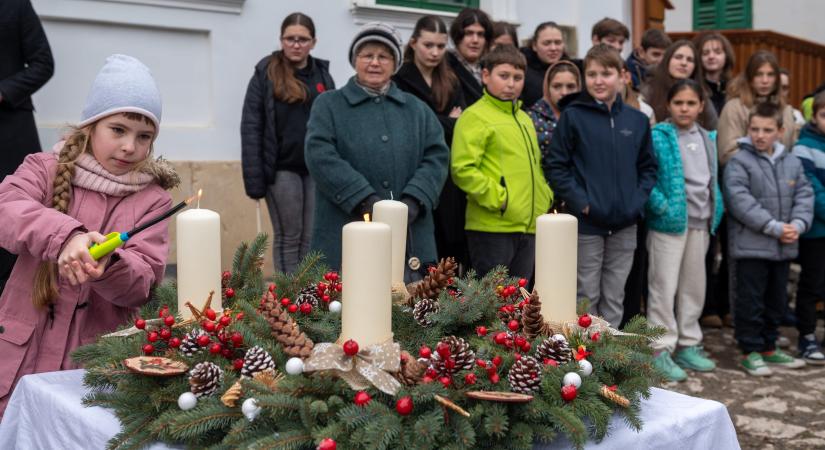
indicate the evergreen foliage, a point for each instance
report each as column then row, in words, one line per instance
column 304, row 409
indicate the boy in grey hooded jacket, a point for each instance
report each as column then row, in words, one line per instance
column 770, row 201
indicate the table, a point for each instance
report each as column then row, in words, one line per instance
column 45, row 412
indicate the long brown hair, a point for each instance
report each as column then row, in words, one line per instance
column 285, row 85
column 444, row 80
column 657, row 87
column 78, row 142
column 741, row 86
column 710, row 36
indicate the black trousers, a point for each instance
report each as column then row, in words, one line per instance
column 811, row 283
column 717, row 301
column 516, row 251
column 761, row 296
column 635, row 288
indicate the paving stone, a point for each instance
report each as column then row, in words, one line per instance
column 772, row 428
column 768, row 404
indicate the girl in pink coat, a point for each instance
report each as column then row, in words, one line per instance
column 102, row 178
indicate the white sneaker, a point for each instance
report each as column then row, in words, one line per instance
column 783, row 342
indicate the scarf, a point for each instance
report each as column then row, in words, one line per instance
column 90, row 174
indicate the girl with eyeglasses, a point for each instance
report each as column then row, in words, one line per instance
column 273, row 127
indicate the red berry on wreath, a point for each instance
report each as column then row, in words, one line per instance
column 272, row 287
column 229, row 292
column 526, row 347
column 481, row 363
column 215, row 348
column 338, row 285
column 148, row 349
column 513, row 325
column 293, row 308
column 501, row 338
column 595, row 337
column 481, row 330
column 226, row 275
column 522, row 282
column 351, row 348
column 237, row 364
column 517, row 356
column 585, row 320
column 497, row 361
column 327, row 444
column 174, row 342
column 510, row 308
column 446, row 381
column 520, row 341
column 494, row 378
column 404, row 405
column 285, row 301
column 362, row 398
column 209, row 326
column 210, row 314
column 237, row 339
column 430, row 372
column 443, row 350
column 239, row 316
column 449, row 364
column 153, row 336
column 225, row 320
column 427, row 379
column 470, row 378
column 169, row 320
column 569, row 392
column 203, row 340
column 425, row 352
column 321, row 287
column 227, row 353
column 325, row 298
column 165, row 334
column 306, row 308
column 140, row 324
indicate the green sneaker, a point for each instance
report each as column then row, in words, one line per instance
column 664, row 364
column 755, row 365
column 780, row 358
column 694, row 358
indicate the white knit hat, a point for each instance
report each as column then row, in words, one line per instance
column 377, row 32
column 124, row 84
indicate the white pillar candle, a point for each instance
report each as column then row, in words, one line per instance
column 394, row 214
column 557, row 238
column 366, row 315
column 199, row 259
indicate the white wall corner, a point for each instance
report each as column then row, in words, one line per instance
column 221, row 6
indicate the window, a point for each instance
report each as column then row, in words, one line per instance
column 722, row 14
column 438, row 5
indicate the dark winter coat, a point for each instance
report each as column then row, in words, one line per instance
column 638, row 70
column 602, row 159
column 470, row 87
column 718, row 94
column 26, row 64
column 449, row 215
column 358, row 145
column 273, row 131
column 761, row 195
column 810, row 149
column 533, row 78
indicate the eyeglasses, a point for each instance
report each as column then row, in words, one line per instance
column 296, row 40
column 369, row 57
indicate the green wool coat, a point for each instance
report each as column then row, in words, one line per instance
column 358, row 145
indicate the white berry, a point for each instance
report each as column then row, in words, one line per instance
column 572, row 378
column 295, row 366
column 586, row 367
column 250, row 409
column 187, row 401
column 335, row 306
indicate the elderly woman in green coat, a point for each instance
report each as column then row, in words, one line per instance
column 371, row 141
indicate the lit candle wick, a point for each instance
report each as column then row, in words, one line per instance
column 200, row 193
column 366, row 217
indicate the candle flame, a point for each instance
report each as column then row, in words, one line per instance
column 366, row 217
column 554, row 211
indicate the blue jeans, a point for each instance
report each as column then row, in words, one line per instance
column 291, row 203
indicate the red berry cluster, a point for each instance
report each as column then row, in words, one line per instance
column 157, row 337
column 512, row 341
column 330, row 287
column 490, row 366
column 219, row 339
column 227, row 292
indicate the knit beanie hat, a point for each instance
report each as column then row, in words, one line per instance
column 124, row 84
column 377, row 32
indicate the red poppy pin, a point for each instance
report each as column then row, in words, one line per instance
column 320, row 87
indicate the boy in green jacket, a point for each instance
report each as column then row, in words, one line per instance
column 496, row 162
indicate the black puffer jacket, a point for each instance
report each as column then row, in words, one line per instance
column 272, row 131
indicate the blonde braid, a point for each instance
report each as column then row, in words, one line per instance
column 45, row 279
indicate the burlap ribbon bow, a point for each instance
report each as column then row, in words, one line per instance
column 369, row 367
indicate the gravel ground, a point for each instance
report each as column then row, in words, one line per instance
column 784, row 411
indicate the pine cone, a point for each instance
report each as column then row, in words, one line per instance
column 411, row 370
column 531, row 319
column 525, row 375
column 189, row 344
column 434, row 282
column 422, row 311
column 205, row 378
column 307, row 295
column 460, row 352
column 284, row 329
column 555, row 348
column 256, row 360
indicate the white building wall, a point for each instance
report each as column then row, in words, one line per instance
column 202, row 59
column 792, row 17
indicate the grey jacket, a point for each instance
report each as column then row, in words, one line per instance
column 761, row 194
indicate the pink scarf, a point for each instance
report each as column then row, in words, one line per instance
column 90, row 174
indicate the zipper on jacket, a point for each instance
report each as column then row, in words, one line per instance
column 779, row 199
column 532, row 176
column 615, row 154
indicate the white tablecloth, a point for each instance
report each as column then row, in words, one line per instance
column 45, row 412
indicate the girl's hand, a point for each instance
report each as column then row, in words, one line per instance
column 455, row 112
column 76, row 264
